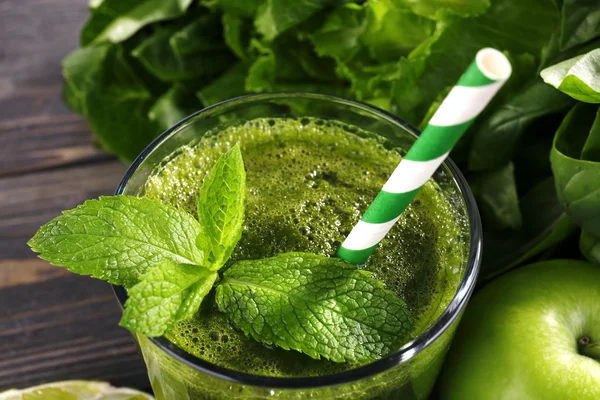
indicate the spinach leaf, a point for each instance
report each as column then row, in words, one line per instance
column 339, row 36
column 118, row 105
column 236, row 34
column 580, row 22
column 117, row 20
column 392, row 32
column 240, row 8
column 441, row 9
column 276, row 16
column 80, row 70
column 227, row 86
column 577, row 77
column 544, row 226
column 577, row 173
column 497, row 197
column 160, row 58
column 286, row 63
column 201, row 34
column 173, row 106
column 439, row 62
column 590, row 247
column 498, row 137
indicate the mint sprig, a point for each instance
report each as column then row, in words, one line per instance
column 323, row 307
column 168, row 261
column 163, row 256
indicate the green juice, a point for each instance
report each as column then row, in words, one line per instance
column 308, row 182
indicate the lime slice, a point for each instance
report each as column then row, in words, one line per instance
column 75, row 390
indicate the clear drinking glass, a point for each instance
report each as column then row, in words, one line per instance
column 408, row 373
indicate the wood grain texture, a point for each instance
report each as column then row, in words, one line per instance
column 65, row 328
column 27, row 271
column 28, row 201
column 36, row 130
column 53, row 325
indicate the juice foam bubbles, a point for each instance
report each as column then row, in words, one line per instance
column 308, row 181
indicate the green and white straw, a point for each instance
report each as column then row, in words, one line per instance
column 474, row 90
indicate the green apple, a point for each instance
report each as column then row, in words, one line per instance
column 533, row 333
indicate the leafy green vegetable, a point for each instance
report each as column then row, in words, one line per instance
column 497, row 139
column 221, row 208
column 439, row 9
column 119, row 93
column 340, row 35
column 577, row 173
column 580, row 22
column 392, row 32
column 439, row 62
column 497, row 196
column 229, row 85
column 235, row 31
column 80, row 69
column 173, row 106
column 165, row 295
column 544, row 226
column 118, row 238
column 277, row 16
column 590, row 247
column 240, row 8
column 200, row 35
column 144, row 65
column 323, row 307
column 162, row 60
column 577, row 77
column 117, row 20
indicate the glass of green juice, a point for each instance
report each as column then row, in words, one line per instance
column 313, row 164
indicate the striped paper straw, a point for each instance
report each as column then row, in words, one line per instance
column 474, row 90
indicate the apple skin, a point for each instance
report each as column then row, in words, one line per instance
column 518, row 337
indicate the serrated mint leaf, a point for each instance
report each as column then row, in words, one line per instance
column 323, row 307
column 195, row 294
column 118, row 238
column 165, row 295
column 221, row 208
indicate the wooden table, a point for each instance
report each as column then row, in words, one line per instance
column 53, row 325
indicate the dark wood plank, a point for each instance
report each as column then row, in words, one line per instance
column 37, row 143
column 36, row 129
column 65, row 328
column 27, row 202
column 37, row 34
column 53, row 325
column 27, row 272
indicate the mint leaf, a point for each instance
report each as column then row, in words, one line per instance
column 118, row 238
column 166, row 294
column 320, row 306
column 221, row 208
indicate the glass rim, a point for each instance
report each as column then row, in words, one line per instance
column 406, row 352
